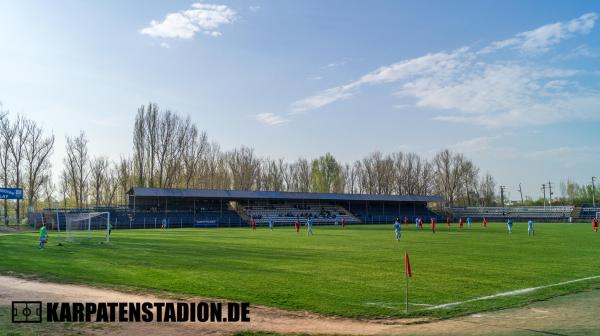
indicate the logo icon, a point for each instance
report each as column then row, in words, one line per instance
column 27, row 311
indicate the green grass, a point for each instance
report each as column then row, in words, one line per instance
column 357, row 271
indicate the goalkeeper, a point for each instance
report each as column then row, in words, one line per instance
column 43, row 236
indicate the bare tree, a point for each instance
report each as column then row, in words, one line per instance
column 21, row 128
column 124, row 177
column 77, row 167
column 193, row 153
column 49, row 188
column 272, row 175
column 38, row 150
column 244, row 167
column 139, row 146
column 63, row 187
column 487, row 187
column 98, row 178
column 6, row 138
column 447, row 167
column 111, row 185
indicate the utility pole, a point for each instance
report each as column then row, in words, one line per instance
column 521, row 192
column 502, row 188
column 594, row 191
column 551, row 193
column 544, row 190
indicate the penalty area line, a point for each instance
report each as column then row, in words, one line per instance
column 510, row 293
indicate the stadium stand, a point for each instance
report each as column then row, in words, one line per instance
column 548, row 213
column 287, row 213
column 588, row 212
column 148, row 207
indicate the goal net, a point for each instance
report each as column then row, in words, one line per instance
column 87, row 226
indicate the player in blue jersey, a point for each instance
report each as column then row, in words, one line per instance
column 530, row 231
column 271, row 224
column 509, row 223
column 309, row 225
column 469, row 222
column 397, row 229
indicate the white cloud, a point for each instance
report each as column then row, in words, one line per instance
column 541, row 39
column 474, row 145
column 324, row 98
column 270, row 119
column 581, row 51
column 569, row 155
column 337, row 64
column 205, row 18
column 466, row 86
column 165, row 45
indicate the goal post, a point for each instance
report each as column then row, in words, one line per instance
column 87, row 225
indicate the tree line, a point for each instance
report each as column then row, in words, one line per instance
column 25, row 150
column 170, row 151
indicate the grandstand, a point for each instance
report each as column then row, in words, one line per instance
column 588, row 212
column 540, row 213
column 288, row 212
column 148, row 207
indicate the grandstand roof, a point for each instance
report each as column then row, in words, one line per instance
column 240, row 194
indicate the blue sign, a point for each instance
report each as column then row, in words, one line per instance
column 11, row 193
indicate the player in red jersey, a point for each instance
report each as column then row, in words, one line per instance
column 253, row 224
column 420, row 223
column 297, row 225
column 432, row 224
column 595, row 224
column 484, row 222
column 460, row 222
column 405, row 220
column 343, row 222
column 448, row 222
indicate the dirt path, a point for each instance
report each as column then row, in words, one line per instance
column 570, row 313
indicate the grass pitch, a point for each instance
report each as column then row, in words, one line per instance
column 357, row 271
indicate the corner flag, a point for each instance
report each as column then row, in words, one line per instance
column 408, row 271
column 408, row 274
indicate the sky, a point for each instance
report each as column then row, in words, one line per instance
column 514, row 85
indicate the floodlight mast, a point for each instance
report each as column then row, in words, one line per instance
column 594, row 192
column 521, row 192
column 544, row 190
column 502, row 188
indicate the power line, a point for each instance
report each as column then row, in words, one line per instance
column 502, row 188
column 521, row 192
column 544, row 190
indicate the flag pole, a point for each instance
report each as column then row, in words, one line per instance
column 406, row 291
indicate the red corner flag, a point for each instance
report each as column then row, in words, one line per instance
column 408, row 271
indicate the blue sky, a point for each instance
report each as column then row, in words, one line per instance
column 512, row 84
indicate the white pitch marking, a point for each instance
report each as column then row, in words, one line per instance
column 511, row 293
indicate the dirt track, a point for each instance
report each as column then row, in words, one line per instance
column 570, row 313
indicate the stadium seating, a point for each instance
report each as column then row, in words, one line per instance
column 388, row 214
column 588, row 211
column 287, row 213
column 500, row 213
column 123, row 218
